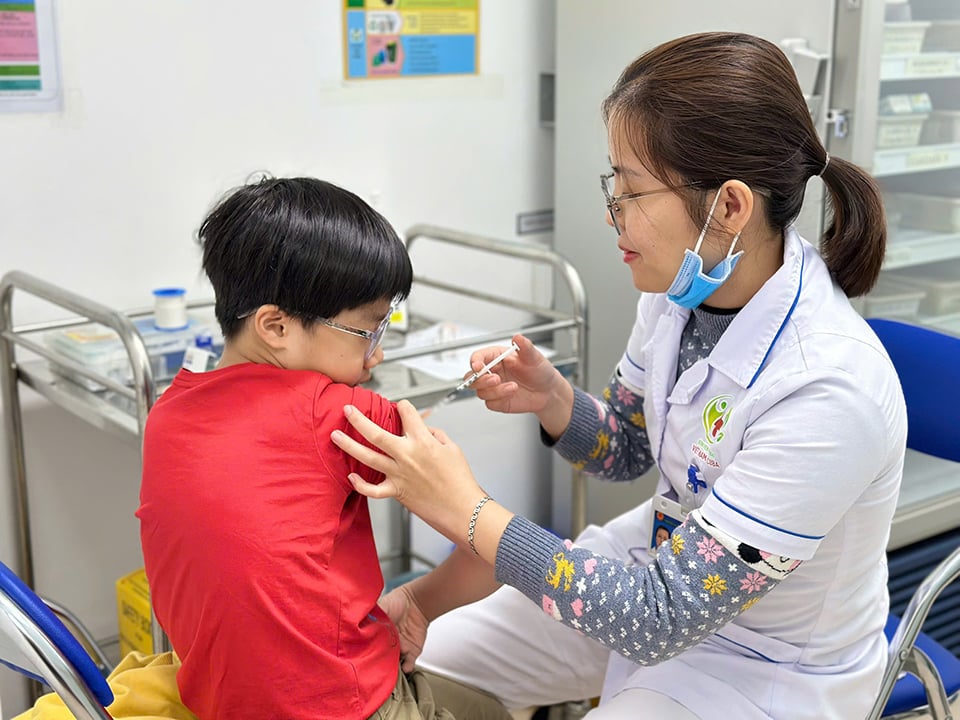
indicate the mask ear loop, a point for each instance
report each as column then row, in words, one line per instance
column 733, row 243
column 703, row 231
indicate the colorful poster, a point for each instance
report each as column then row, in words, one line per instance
column 408, row 38
column 29, row 77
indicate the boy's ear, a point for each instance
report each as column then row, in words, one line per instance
column 272, row 326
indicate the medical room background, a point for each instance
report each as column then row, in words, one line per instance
column 166, row 106
column 165, row 109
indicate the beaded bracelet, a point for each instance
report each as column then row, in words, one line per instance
column 473, row 522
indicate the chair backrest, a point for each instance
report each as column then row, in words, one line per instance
column 928, row 363
column 34, row 642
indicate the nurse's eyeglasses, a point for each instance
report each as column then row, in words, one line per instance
column 613, row 201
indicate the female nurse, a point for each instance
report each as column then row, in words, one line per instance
column 770, row 409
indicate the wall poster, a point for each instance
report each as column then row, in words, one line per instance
column 29, row 68
column 410, row 38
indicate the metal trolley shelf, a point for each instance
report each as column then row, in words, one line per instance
column 122, row 410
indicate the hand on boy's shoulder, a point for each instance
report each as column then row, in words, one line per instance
column 379, row 409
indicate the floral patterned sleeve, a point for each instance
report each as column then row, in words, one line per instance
column 699, row 581
column 607, row 436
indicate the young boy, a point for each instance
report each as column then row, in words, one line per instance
column 260, row 556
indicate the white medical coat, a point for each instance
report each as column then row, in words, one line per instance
column 797, row 424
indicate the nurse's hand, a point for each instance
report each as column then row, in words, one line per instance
column 402, row 608
column 425, row 471
column 525, row 382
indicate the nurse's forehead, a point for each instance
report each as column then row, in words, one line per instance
column 626, row 166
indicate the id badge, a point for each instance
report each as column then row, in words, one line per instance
column 667, row 516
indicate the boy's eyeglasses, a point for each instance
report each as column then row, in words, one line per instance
column 374, row 337
column 613, row 201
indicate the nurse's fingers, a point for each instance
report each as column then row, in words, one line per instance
column 369, row 457
column 386, row 489
column 374, row 434
column 527, row 352
column 499, row 390
column 413, row 425
column 440, row 435
column 390, row 445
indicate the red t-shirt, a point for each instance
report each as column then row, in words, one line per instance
column 260, row 555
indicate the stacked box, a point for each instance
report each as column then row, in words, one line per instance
column 134, row 616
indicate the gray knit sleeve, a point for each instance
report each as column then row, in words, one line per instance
column 607, row 436
column 694, row 586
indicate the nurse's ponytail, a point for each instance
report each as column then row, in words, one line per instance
column 856, row 238
column 707, row 108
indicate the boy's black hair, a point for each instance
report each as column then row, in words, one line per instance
column 305, row 245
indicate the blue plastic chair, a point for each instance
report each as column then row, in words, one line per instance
column 928, row 364
column 35, row 643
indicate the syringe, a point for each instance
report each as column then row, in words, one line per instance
column 470, row 380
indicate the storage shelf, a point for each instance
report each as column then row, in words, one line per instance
column 921, row 66
column 900, row 161
column 916, row 247
column 929, row 502
column 95, row 408
column 949, row 324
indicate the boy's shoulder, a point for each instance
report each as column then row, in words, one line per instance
column 237, row 384
column 370, row 403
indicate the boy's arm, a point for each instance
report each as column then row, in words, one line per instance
column 461, row 579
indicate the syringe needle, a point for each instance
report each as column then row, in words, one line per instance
column 473, row 378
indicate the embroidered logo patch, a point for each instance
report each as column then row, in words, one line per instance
column 716, row 413
column 715, row 416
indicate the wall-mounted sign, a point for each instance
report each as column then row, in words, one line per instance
column 29, row 70
column 410, row 38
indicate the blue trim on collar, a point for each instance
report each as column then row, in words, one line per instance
column 765, row 524
column 783, row 324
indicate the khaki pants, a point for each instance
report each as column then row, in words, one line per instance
column 424, row 696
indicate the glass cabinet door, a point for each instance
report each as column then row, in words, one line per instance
column 903, row 125
column 895, row 102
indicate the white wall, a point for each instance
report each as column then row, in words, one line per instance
column 167, row 105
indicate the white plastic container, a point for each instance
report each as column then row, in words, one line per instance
column 897, row 11
column 935, row 213
column 170, row 308
column 903, row 38
column 940, row 283
column 100, row 349
column 897, row 131
column 905, row 103
column 892, row 299
column 942, row 36
column 893, row 214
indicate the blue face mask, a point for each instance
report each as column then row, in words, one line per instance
column 692, row 286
